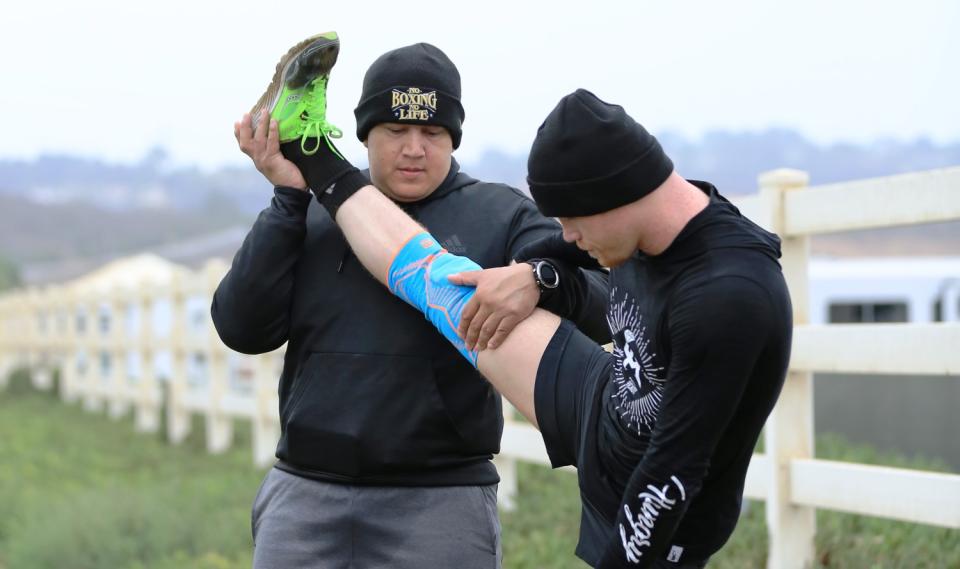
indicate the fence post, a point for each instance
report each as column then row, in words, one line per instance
column 147, row 408
column 58, row 334
column 89, row 368
column 507, row 467
column 118, row 400
column 24, row 326
column 30, row 353
column 42, row 374
column 70, row 361
column 266, row 419
column 6, row 338
column 789, row 430
column 178, row 416
column 219, row 424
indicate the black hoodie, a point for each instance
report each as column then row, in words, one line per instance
column 701, row 344
column 370, row 392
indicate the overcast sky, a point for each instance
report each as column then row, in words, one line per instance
column 113, row 79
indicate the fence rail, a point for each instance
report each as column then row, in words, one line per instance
column 136, row 336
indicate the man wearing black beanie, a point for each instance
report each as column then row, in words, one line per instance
column 662, row 430
column 387, row 434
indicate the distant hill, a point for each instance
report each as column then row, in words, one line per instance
column 34, row 232
column 732, row 160
column 151, row 184
column 77, row 211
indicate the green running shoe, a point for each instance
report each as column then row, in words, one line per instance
column 296, row 96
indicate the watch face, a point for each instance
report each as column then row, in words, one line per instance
column 548, row 275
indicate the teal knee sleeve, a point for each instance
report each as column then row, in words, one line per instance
column 418, row 275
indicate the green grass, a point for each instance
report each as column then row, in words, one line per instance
column 542, row 532
column 79, row 491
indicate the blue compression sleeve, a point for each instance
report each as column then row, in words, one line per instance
column 418, row 275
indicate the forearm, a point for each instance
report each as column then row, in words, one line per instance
column 590, row 315
column 250, row 306
column 584, row 288
column 649, row 514
column 581, row 298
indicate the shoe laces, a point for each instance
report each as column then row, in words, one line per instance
column 314, row 117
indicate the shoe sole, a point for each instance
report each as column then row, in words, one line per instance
column 304, row 62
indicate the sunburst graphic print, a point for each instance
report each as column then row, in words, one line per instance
column 638, row 380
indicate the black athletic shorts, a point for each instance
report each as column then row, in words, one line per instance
column 569, row 398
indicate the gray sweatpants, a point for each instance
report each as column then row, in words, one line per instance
column 300, row 523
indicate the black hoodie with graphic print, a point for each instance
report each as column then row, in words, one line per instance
column 370, row 392
column 702, row 338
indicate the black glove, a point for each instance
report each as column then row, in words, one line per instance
column 554, row 247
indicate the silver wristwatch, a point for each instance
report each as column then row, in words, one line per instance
column 544, row 274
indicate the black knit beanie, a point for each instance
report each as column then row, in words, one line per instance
column 590, row 157
column 416, row 84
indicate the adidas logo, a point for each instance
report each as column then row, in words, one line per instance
column 454, row 245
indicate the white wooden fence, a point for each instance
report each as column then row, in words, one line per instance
column 120, row 334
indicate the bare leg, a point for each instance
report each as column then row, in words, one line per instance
column 377, row 230
column 512, row 366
